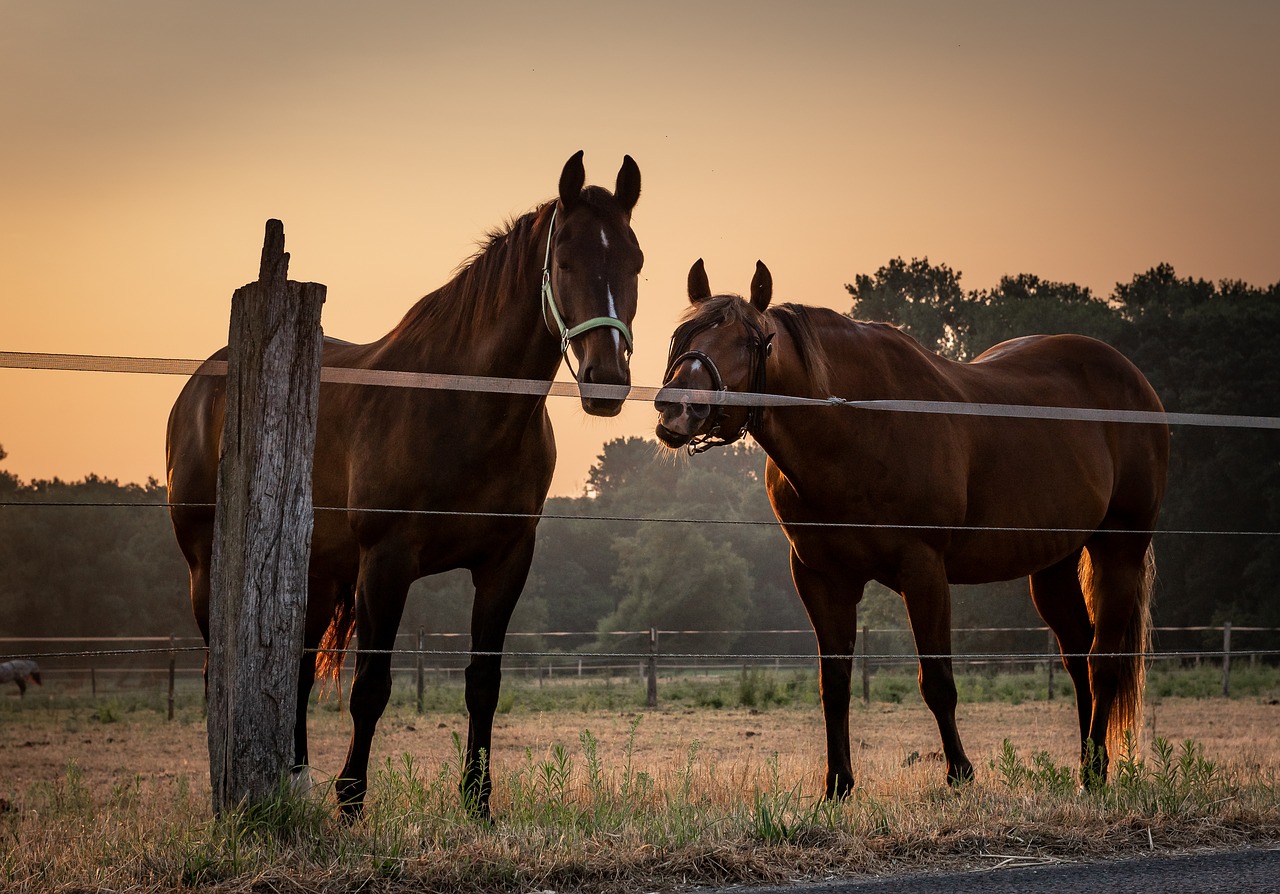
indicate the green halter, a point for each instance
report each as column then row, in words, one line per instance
column 549, row 303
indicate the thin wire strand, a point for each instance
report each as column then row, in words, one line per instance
column 557, row 516
column 887, row 657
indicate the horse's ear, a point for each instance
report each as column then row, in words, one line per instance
column 627, row 190
column 572, row 179
column 699, row 286
column 761, row 287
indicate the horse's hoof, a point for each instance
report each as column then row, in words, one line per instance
column 301, row 782
column 959, row 774
column 351, row 799
column 839, row 787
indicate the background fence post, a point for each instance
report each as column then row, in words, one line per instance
column 173, row 668
column 422, row 695
column 866, row 665
column 1053, row 654
column 262, row 529
column 652, row 694
column 1226, row 659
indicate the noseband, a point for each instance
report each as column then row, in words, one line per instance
column 549, row 303
column 761, row 346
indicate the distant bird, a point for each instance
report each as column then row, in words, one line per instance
column 20, row 671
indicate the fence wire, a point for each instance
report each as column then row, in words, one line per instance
column 501, row 385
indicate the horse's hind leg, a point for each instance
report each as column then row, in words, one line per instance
column 320, row 599
column 833, row 611
column 1115, row 577
column 1060, row 601
column 928, row 598
column 385, row 574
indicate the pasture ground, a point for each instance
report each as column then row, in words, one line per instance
column 620, row 800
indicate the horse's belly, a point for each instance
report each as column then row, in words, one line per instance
column 984, row 558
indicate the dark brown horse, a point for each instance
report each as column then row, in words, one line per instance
column 561, row 277
column 931, row 500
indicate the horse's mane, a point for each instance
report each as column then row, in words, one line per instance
column 472, row 298
column 796, row 319
column 499, row 266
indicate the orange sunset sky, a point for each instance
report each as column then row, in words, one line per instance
column 145, row 142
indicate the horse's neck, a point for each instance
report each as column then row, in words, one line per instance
column 857, row 371
column 487, row 320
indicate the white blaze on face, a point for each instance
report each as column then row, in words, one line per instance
column 613, row 310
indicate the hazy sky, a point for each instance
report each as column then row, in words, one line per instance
column 143, row 145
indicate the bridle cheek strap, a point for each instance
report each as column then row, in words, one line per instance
column 762, row 347
column 560, row 328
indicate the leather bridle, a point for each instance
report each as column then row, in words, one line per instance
column 760, row 346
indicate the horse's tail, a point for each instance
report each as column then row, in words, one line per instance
column 333, row 645
column 1126, row 711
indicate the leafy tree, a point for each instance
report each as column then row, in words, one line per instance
column 624, row 464
column 924, row 299
column 676, row 578
column 80, row 570
column 9, row 483
column 1027, row 305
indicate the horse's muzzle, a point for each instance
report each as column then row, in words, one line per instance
column 603, row 398
column 678, row 422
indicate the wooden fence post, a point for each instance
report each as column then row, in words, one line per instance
column 262, row 529
column 652, row 690
column 866, row 665
column 173, row 666
column 422, row 693
column 1053, row 659
column 1226, row 659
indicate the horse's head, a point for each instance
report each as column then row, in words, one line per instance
column 590, row 279
column 723, row 344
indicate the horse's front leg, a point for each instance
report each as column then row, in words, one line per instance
column 386, row 571
column 833, row 611
column 498, row 587
column 928, row 597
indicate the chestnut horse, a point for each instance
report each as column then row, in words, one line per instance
column 431, row 480
column 920, row 501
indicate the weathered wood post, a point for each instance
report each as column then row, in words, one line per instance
column 262, row 529
column 1053, row 659
column 422, row 689
column 866, row 665
column 1226, row 659
column 173, row 671
column 651, row 684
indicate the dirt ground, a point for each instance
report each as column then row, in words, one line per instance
column 37, row 742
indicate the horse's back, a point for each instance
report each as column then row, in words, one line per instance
column 1061, row 370
column 1075, row 371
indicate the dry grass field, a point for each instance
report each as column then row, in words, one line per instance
column 608, row 800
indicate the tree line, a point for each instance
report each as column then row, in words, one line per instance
column 715, row 561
